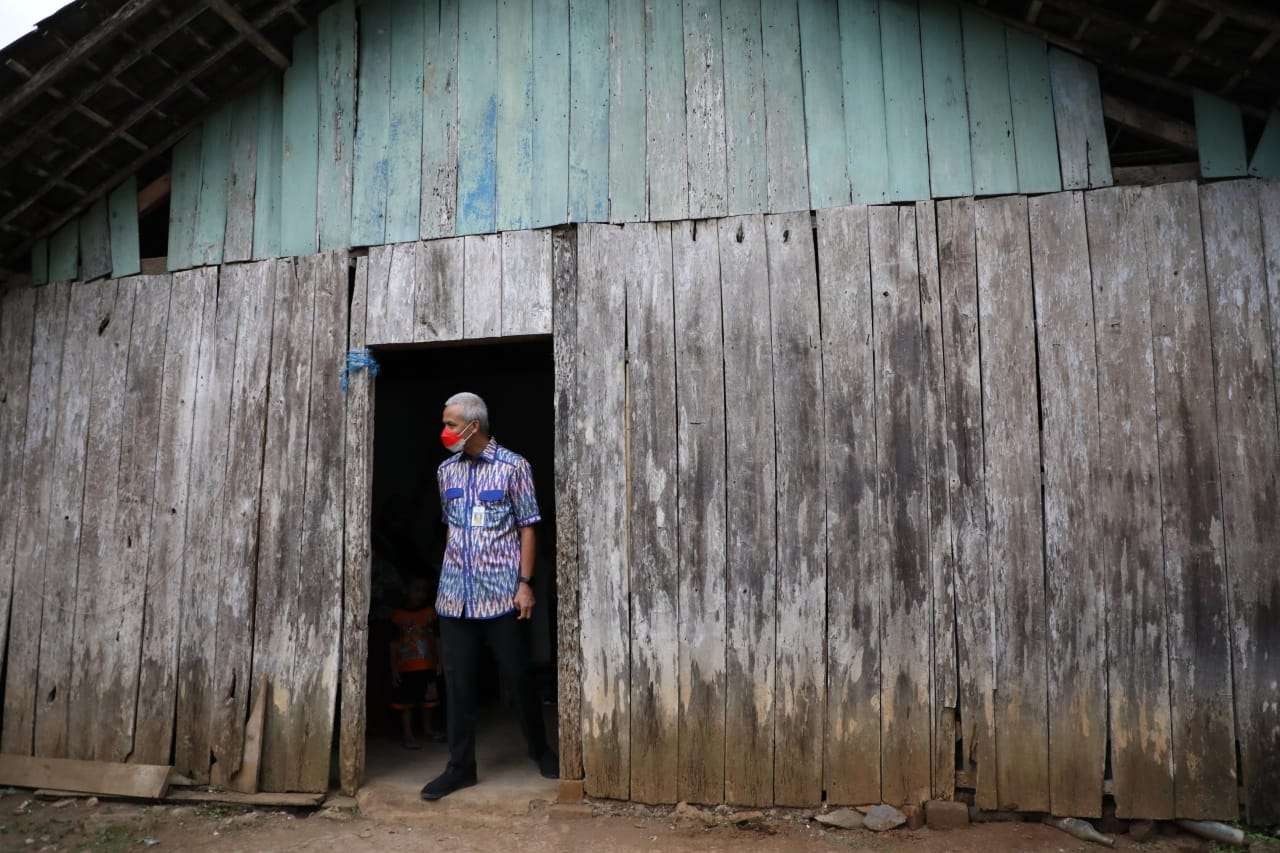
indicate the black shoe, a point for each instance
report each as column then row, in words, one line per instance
column 452, row 779
column 549, row 765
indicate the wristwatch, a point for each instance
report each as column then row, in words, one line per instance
column 525, row 580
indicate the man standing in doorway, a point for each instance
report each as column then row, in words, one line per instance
column 486, row 585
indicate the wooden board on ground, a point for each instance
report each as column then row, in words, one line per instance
column 1013, row 501
column 1128, row 509
column 852, row 749
column 90, row 777
column 1069, row 460
column 801, row 538
column 652, row 558
column 286, row 800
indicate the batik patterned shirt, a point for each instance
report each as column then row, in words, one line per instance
column 486, row 499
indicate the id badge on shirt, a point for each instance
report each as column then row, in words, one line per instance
column 477, row 516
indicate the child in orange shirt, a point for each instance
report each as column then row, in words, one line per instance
column 414, row 661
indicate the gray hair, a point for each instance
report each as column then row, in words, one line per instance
column 473, row 408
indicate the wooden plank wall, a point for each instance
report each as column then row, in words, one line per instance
column 481, row 117
column 1021, row 554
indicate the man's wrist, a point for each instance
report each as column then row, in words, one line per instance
column 526, row 579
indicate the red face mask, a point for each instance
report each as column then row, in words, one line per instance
column 452, row 440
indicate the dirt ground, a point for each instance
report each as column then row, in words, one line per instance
column 29, row 824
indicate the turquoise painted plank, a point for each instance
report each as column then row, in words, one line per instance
column 785, row 156
column 986, row 73
column 1035, row 138
column 337, row 79
column 515, row 114
column 267, row 187
column 588, row 110
column 747, row 176
column 215, row 171
column 1220, row 135
column 237, row 243
column 440, row 120
column 704, row 108
column 477, row 116
column 64, row 252
column 404, row 134
column 824, row 103
column 550, row 203
column 184, row 199
column 1266, row 157
column 904, row 101
column 628, row 172
column 666, row 141
column 1077, row 115
column 40, row 262
column 95, row 241
column 300, row 163
column 369, row 179
column 864, row 116
column 946, row 107
column 123, row 206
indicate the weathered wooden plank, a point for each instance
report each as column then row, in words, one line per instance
column 628, row 188
column 268, row 187
column 549, row 204
column 986, row 74
column 750, row 480
column 785, row 157
column 589, row 112
column 336, row 58
column 40, row 262
column 564, row 260
column 1195, row 583
column 515, row 115
column 1014, row 520
column 824, row 103
column 746, row 183
column 97, row 777
column 946, row 105
column 944, row 700
column 254, row 285
column 701, row 512
column 1265, row 162
column 192, row 303
column 205, row 519
column 1077, row 112
column 1241, row 321
column 901, row 510
column 1128, row 509
column 379, row 270
column 1219, row 136
column 477, row 116
column 482, row 283
column 852, row 749
column 666, row 150
column 357, row 567
column 440, row 119
column 262, row 800
column 215, row 171
column 32, row 513
column 184, row 201
column 300, row 162
column 396, row 294
column 904, row 113
column 437, row 304
column 95, row 242
column 85, row 363
column 404, row 134
column 1067, row 366
column 652, row 557
column 245, row 780
column 966, row 464
column 17, row 319
column 1269, row 205
column 64, row 252
column 602, row 515
column 1031, row 98
column 864, row 113
column 704, row 108
column 801, row 542
column 373, row 94
column 526, row 283
column 237, row 243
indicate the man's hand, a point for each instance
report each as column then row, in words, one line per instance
column 524, row 602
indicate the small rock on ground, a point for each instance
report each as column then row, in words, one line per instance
column 944, row 814
column 883, row 817
column 1141, row 830
column 333, row 813
column 841, row 818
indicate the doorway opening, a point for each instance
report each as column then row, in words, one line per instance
column 516, row 380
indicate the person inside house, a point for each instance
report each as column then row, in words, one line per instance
column 485, row 595
column 414, row 662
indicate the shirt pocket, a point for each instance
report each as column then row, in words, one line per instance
column 455, row 511
column 497, row 507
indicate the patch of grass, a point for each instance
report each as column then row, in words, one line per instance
column 110, row 839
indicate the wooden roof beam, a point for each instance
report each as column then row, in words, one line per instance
column 1149, row 123
column 1205, row 33
column 108, row 29
column 233, row 17
column 1254, row 17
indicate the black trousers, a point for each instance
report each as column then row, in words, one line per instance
column 462, row 640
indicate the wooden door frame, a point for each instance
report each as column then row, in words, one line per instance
column 357, row 571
